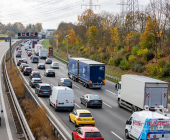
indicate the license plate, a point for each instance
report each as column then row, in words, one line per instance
column 96, row 101
column 28, row 70
column 45, row 92
column 86, row 119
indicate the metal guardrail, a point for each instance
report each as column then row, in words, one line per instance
column 25, row 127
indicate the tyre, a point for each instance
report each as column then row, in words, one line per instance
column 86, row 105
column 126, row 134
column 0, row 121
column 86, row 86
column 75, row 124
column 81, row 102
column 72, row 137
column 54, row 75
column 69, row 119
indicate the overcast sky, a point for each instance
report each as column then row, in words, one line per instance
column 51, row 12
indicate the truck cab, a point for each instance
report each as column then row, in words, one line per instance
column 118, row 88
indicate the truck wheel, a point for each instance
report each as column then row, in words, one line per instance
column 72, row 137
column 119, row 104
column 86, row 85
column 126, row 134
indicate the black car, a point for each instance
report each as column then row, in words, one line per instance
column 34, row 82
column 19, row 62
column 41, row 66
column 48, row 61
column 18, row 55
column 35, row 59
column 35, row 74
column 49, row 72
column 90, row 100
column 43, row 90
column 27, row 70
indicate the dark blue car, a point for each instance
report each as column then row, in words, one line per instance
column 18, row 55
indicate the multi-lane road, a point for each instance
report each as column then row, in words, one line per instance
column 110, row 119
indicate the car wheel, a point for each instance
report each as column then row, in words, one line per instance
column 126, row 134
column 86, row 105
column 75, row 124
column 38, row 95
column 100, row 106
column 32, row 86
column 54, row 75
column 72, row 137
column 0, row 121
column 69, row 119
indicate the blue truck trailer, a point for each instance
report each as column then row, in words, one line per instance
column 90, row 73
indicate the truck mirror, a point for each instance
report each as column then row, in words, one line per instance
column 127, row 122
column 116, row 86
column 1, row 111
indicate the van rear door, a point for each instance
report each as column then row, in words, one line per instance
column 61, row 98
column 69, row 98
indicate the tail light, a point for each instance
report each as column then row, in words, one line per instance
column 24, row 70
column 74, row 102
column 79, row 119
column 63, row 83
column 93, row 118
column 38, row 75
column 56, row 102
column 90, row 101
column 100, row 101
column 102, row 138
column 40, row 90
column 50, row 90
column 71, row 83
column 148, row 136
column 32, row 75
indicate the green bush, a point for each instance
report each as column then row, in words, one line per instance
column 122, row 51
column 92, row 57
column 149, row 55
column 142, row 51
column 119, row 46
column 135, row 50
column 161, row 63
column 139, row 68
column 152, row 70
column 165, row 72
column 131, row 58
column 124, row 64
column 111, row 62
column 127, row 56
column 116, row 62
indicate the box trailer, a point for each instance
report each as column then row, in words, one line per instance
column 139, row 92
column 37, row 48
column 90, row 73
column 43, row 53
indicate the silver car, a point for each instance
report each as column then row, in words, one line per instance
column 65, row 82
column 55, row 65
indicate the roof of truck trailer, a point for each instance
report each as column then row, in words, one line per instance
column 143, row 78
column 149, row 115
column 80, row 59
column 91, row 62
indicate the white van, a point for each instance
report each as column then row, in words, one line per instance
column 27, row 47
column 0, row 114
column 62, row 98
column 147, row 125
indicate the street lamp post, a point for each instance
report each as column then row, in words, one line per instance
column 67, row 46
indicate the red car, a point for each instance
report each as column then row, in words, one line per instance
column 29, row 54
column 87, row 133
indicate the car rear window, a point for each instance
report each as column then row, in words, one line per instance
column 93, row 134
column 46, row 87
column 37, row 81
column 67, row 80
column 20, row 60
column 50, row 71
column 55, row 64
column 36, row 73
column 85, row 115
column 28, row 68
column 94, row 97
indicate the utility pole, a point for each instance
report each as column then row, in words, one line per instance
column 10, row 53
column 91, row 5
column 67, row 46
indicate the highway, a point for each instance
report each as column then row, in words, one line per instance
column 7, row 128
column 110, row 119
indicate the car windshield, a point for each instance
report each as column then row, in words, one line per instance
column 37, row 81
column 46, row 87
column 94, row 97
column 85, row 115
column 67, row 80
column 50, row 71
column 55, row 64
column 93, row 134
column 20, row 60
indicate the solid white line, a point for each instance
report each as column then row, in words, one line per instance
column 110, row 92
column 107, row 104
column 62, row 67
column 52, row 84
column 77, row 105
column 4, row 110
column 41, row 75
column 76, row 86
column 116, row 135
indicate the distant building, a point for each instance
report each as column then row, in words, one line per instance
column 49, row 31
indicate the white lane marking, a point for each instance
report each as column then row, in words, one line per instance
column 76, row 86
column 4, row 110
column 107, row 104
column 110, row 92
column 62, row 67
column 116, row 135
column 52, row 84
column 41, row 75
column 77, row 105
column 59, row 75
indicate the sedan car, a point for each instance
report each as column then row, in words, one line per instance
column 65, row 82
column 19, row 62
column 87, row 133
column 18, row 55
column 35, row 74
column 41, row 66
column 25, row 60
column 29, row 54
column 27, row 70
column 48, row 61
column 49, row 72
column 19, row 51
column 81, row 117
column 43, row 90
column 34, row 82
column 55, row 65
column 90, row 100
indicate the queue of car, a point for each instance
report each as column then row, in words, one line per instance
column 61, row 97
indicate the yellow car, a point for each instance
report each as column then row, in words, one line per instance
column 81, row 117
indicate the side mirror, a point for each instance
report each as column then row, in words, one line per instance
column 116, row 86
column 127, row 122
column 1, row 111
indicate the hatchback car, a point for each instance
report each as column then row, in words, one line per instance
column 48, row 61
column 25, row 60
column 49, row 72
column 90, row 100
column 34, row 82
column 23, row 66
column 35, row 74
column 29, row 54
column 65, row 82
column 43, row 90
column 35, row 59
column 18, row 55
column 41, row 66
column 55, row 65
column 87, row 133
column 19, row 62
column 81, row 117
column 27, row 70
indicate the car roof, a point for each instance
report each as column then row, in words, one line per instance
column 36, row 78
column 44, row 84
column 35, row 72
column 89, row 129
column 92, row 95
column 83, row 111
column 20, row 60
column 55, row 62
column 40, row 63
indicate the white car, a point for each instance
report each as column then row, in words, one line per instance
column 55, row 65
column 24, row 60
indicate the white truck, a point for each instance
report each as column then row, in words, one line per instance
column 37, row 48
column 147, row 125
column 43, row 53
column 137, row 92
column 0, row 114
